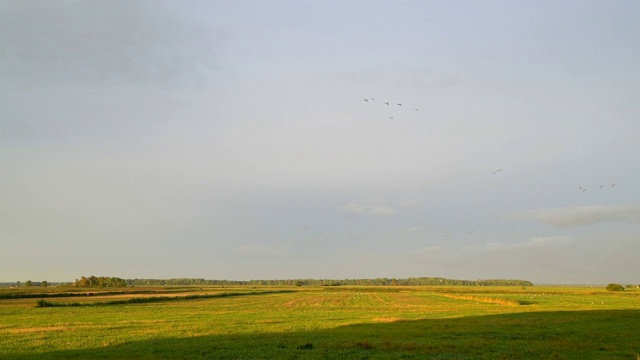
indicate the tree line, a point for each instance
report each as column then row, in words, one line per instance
column 415, row 281
column 30, row 283
column 99, row 281
column 106, row 281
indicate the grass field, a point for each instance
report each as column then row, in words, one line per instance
column 322, row 323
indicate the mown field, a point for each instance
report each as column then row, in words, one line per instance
column 321, row 323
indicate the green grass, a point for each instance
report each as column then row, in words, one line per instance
column 329, row 323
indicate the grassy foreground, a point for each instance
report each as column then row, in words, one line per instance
column 325, row 323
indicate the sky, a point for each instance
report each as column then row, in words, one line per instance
column 248, row 140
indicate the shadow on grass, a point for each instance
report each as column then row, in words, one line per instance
column 606, row 334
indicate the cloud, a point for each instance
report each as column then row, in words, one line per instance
column 261, row 250
column 105, row 43
column 409, row 202
column 535, row 243
column 412, row 229
column 582, row 215
column 427, row 249
column 369, row 209
column 408, row 230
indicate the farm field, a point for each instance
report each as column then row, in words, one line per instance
column 247, row 322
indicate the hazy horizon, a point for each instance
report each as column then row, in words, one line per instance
column 232, row 140
column 36, row 283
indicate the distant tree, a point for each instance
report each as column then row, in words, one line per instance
column 298, row 283
column 28, row 283
column 102, row 281
column 18, row 283
column 615, row 287
column 43, row 303
column 44, row 283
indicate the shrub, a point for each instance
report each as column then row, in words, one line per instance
column 43, row 303
column 615, row 287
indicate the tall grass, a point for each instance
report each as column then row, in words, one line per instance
column 155, row 299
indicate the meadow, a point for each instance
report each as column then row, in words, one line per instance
column 341, row 322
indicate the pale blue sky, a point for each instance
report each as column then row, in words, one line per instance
column 230, row 139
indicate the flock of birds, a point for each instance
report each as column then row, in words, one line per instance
column 396, row 105
column 399, row 104
column 599, row 187
column 387, row 103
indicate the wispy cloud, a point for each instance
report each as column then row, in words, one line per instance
column 261, row 250
column 582, row 215
column 368, row 209
column 427, row 249
column 412, row 229
column 409, row 230
column 409, row 202
column 536, row 242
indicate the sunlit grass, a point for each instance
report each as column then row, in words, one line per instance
column 378, row 322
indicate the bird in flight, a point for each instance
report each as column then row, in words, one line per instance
column 398, row 104
column 387, row 103
column 367, row 100
column 613, row 185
